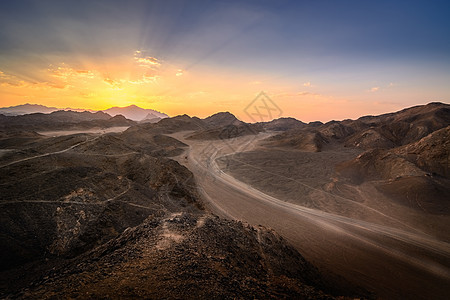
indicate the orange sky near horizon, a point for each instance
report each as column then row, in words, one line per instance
column 148, row 82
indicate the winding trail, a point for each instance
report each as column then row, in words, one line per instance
column 98, row 203
column 393, row 263
column 50, row 153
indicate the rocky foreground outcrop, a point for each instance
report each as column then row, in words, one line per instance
column 185, row 256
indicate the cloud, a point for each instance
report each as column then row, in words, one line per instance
column 195, row 95
column 78, row 77
column 179, row 73
column 297, row 94
column 151, row 61
column 382, row 88
column 307, row 84
column 13, row 81
column 115, row 84
column 144, row 60
column 145, row 80
column 10, row 80
column 306, row 94
column 88, row 94
column 67, row 73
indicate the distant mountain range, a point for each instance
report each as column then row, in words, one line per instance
column 131, row 112
column 62, row 120
column 25, row 109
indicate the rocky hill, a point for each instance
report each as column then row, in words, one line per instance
column 218, row 126
column 221, row 119
column 311, row 141
column 65, row 204
column 369, row 132
column 226, row 132
column 428, row 156
column 416, row 174
column 282, row 124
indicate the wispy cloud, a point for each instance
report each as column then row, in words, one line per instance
column 297, row 94
column 66, row 73
column 382, row 88
column 114, row 84
column 9, row 80
column 306, row 94
column 145, row 80
column 307, row 84
column 145, row 60
column 12, row 81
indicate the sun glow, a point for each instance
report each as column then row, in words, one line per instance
column 149, row 82
column 139, row 79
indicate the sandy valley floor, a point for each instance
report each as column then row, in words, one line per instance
column 352, row 230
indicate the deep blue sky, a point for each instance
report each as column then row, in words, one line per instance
column 339, row 49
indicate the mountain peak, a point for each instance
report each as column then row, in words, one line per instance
column 222, row 119
column 126, row 107
column 134, row 112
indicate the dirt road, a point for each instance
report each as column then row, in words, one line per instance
column 392, row 262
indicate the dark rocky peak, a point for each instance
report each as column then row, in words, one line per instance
column 282, row 124
column 222, row 119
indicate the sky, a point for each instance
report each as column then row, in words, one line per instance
column 313, row 60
